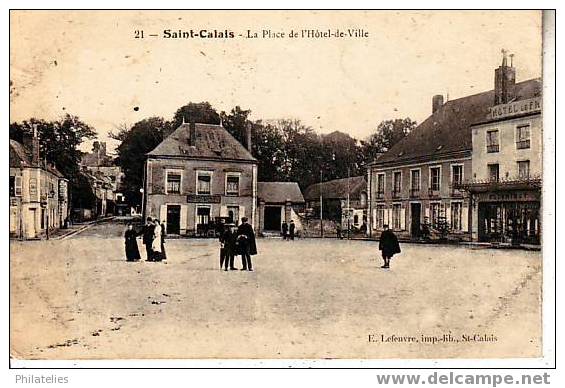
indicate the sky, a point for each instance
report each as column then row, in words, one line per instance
column 89, row 64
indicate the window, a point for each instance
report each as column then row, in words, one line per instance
column 15, row 186
column 456, row 174
column 233, row 214
column 415, row 180
column 396, row 214
column 434, row 213
column 524, row 169
column 33, row 187
column 397, row 179
column 435, row 178
column 173, row 182
column 380, row 184
column 456, row 210
column 493, row 172
column 202, row 216
column 380, row 216
column 523, row 136
column 363, row 199
column 204, row 183
column 492, row 141
column 356, row 220
column 232, row 185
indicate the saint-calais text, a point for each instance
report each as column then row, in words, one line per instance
column 258, row 34
column 433, row 339
column 205, row 34
column 41, row 379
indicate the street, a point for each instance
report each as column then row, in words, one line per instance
column 79, row 299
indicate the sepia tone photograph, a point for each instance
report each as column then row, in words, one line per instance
column 276, row 184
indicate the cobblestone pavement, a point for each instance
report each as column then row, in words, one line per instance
column 78, row 298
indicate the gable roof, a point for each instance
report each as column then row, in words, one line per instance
column 18, row 155
column 212, row 142
column 447, row 131
column 279, row 192
column 337, row 188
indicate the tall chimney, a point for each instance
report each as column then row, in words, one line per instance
column 504, row 81
column 248, row 141
column 437, row 102
column 192, row 133
column 35, row 147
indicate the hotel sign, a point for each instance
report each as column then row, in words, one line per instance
column 515, row 108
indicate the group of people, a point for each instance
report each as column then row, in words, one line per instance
column 153, row 236
column 288, row 230
column 237, row 241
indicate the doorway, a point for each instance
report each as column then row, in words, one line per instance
column 273, row 218
column 173, row 219
column 415, row 217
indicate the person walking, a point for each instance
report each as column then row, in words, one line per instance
column 132, row 251
column 291, row 229
column 388, row 245
column 247, row 246
column 147, row 234
column 284, row 230
column 156, row 245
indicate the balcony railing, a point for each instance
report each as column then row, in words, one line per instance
column 523, row 144
column 493, row 148
column 433, row 192
column 455, row 191
column 414, row 193
column 396, row 194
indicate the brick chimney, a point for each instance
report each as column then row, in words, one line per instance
column 192, row 134
column 504, row 81
column 35, row 147
column 248, row 140
column 437, row 102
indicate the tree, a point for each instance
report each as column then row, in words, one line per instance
column 137, row 141
column 59, row 145
column 201, row 112
column 388, row 133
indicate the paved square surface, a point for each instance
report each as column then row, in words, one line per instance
column 78, row 299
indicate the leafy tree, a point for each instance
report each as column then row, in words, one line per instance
column 388, row 133
column 201, row 112
column 137, row 141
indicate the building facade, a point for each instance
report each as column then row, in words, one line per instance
column 505, row 185
column 417, row 187
column 198, row 174
column 38, row 193
column 279, row 202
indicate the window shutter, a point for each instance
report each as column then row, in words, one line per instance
column 402, row 218
column 374, row 218
column 183, row 217
column 223, row 211
column 427, row 213
column 387, row 218
column 163, row 213
column 18, row 186
column 241, row 212
column 448, row 215
column 464, row 218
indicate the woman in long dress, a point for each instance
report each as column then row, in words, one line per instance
column 156, row 245
column 132, row 252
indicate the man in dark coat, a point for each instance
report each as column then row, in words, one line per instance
column 292, row 229
column 246, row 244
column 147, row 234
column 284, row 230
column 132, row 252
column 388, row 245
column 227, row 251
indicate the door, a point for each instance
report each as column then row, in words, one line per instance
column 31, row 231
column 173, row 219
column 273, row 218
column 233, row 214
column 415, row 214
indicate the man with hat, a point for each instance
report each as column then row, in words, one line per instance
column 246, row 244
column 227, row 250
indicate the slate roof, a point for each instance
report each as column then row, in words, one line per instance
column 279, row 192
column 18, row 155
column 337, row 189
column 447, row 131
column 212, row 142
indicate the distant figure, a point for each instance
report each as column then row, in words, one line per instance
column 388, row 244
column 227, row 250
column 291, row 229
column 157, row 241
column 163, row 235
column 132, row 252
column 147, row 233
column 284, row 230
column 338, row 231
column 246, row 244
